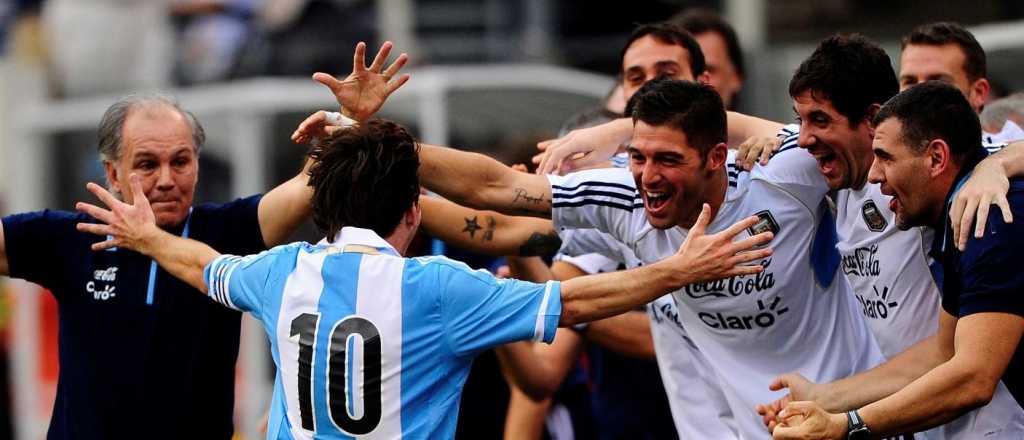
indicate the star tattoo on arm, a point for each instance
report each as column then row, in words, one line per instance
column 471, row 226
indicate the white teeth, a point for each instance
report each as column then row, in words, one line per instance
column 654, row 194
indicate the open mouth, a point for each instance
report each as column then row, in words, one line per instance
column 656, row 199
column 826, row 162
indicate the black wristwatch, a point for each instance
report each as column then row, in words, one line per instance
column 855, row 427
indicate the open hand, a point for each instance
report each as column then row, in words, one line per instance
column 708, row 257
column 987, row 186
column 582, row 147
column 128, row 226
column 364, row 91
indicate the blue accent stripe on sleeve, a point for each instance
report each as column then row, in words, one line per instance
column 593, row 192
column 593, row 183
column 598, row 203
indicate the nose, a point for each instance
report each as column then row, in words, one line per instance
column 875, row 174
column 805, row 139
column 164, row 181
column 649, row 173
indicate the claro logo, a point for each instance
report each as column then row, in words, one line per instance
column 765, row 317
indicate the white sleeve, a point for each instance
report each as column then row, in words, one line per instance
column 579, row 242
column 605, row 199
column 793, row 170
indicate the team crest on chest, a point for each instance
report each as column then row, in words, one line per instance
column 765, row 223
column 873, row 216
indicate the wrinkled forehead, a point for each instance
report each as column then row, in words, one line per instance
column 156, row 131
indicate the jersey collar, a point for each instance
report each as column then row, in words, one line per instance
column 361, row 237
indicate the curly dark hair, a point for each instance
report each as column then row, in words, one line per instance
column 850, row 71
column 366, row 177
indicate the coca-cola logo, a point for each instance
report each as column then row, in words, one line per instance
column 734, row 286
column 862, row 262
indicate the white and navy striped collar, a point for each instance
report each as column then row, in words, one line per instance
column 360, row 237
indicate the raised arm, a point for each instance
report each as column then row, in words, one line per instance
column 588, row 146
column 360, row 95
column 134, row 227
column 480, row 182
column 488, row 232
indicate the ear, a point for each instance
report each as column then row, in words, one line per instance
column 114, row 181
column 413, row 215
column 940, row 157
column 979, row 93
column 717, row 156
column 704, row 77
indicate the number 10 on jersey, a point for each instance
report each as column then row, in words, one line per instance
column 342, row 391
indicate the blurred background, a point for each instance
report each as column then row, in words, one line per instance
column 494, row 76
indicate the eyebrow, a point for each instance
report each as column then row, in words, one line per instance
column 881, row 153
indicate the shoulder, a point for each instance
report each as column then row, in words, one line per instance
column 48, row 216
column 213, row 210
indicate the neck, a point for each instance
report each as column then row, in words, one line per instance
column 714, row 196
column 400, row 238
column 937, row 192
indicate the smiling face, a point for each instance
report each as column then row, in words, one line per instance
column 649, row 58
column 903, row 175
column 157, row 145
column 843, row 151
column 673, row 179
column 924, row 62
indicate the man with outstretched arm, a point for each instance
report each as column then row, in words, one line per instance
column 130, row 333
column 417, row 323
column 679, row 161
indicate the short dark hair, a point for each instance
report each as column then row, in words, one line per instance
column 850, row 71
column 935, row 110
column 947, row 32
column 668, row 33
column 364, row 176
column 692, row 108
column 697, row 21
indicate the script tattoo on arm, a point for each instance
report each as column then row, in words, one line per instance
column 525, row 204
column 541, row 244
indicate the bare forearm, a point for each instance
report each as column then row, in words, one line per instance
column 1011, row 159
column 594, row 297
column 480, row 182
column 528, row 371
column 939, row 396
column 628, row 334
column 181, row 257
column 488, row 232
column 525, row 419
column 743, row 127
column 284, row 208
column 884, row 380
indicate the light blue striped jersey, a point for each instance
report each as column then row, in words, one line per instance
column 372, row 345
